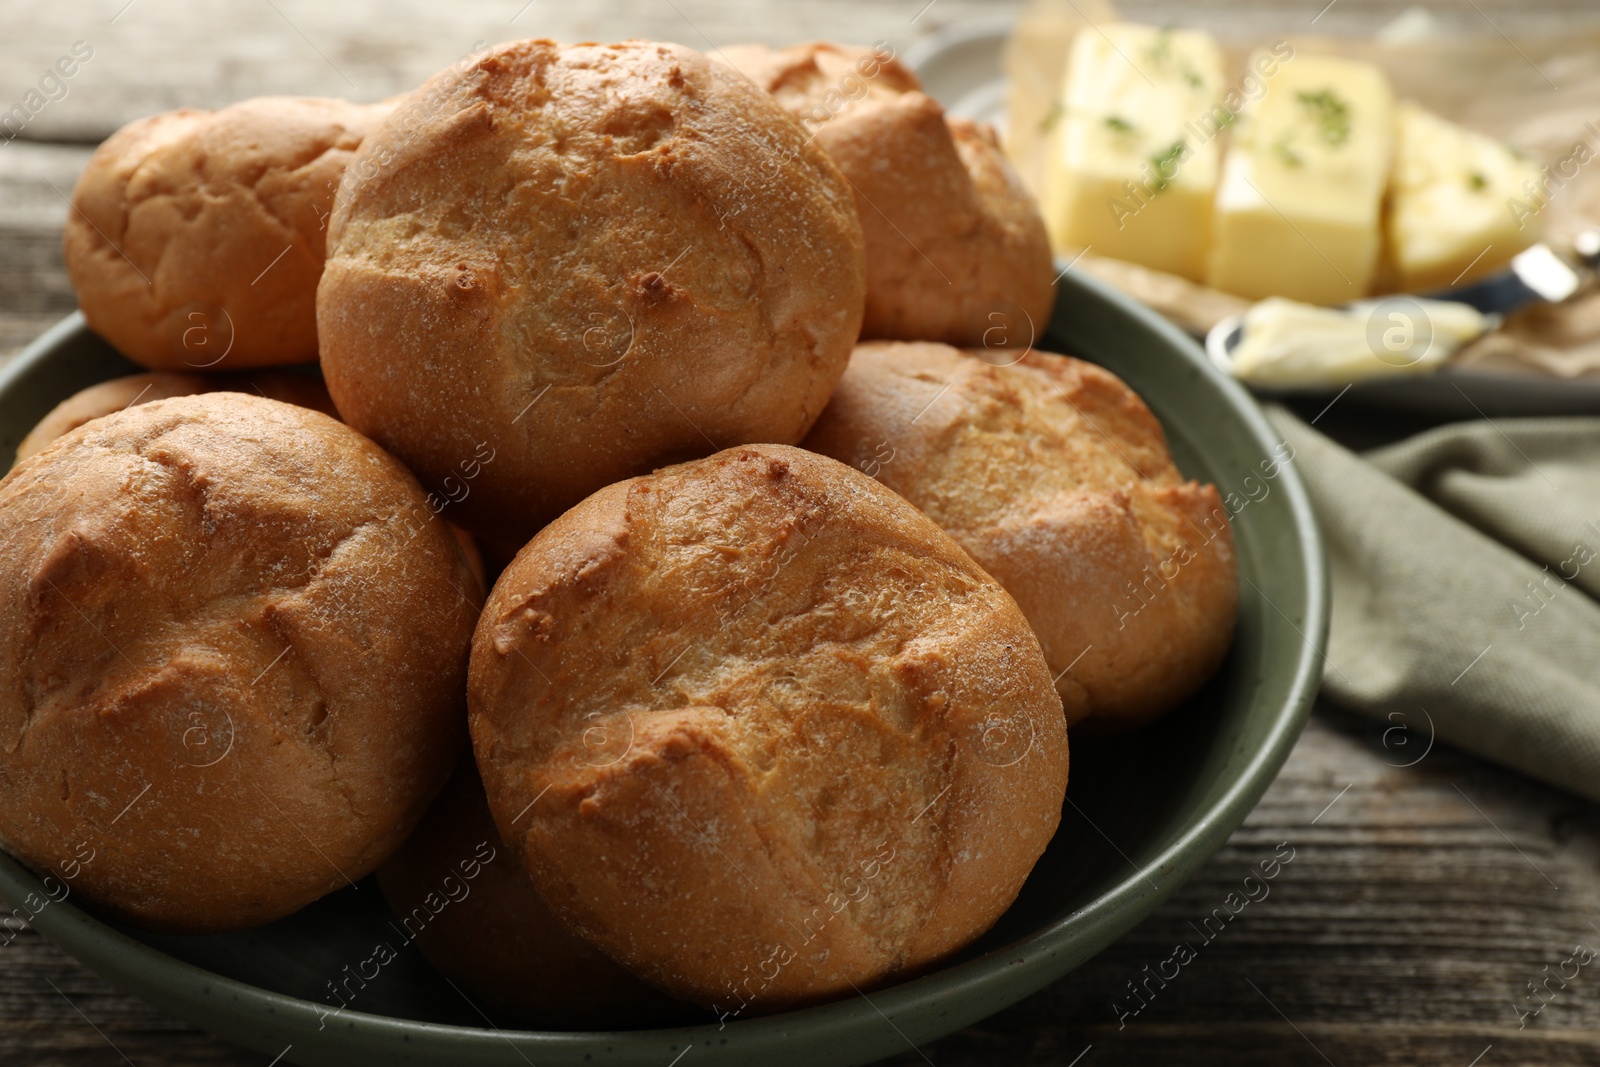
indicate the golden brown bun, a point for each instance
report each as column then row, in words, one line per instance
column 819, row 81
column 956, row 247
column 468, row 904
column 586, row 260
column 761, row 731
column 195, row 239
column 105, row 398
column 112, row 396
column 234, row 643
column 1057, row 479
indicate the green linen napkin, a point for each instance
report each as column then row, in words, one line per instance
column 1465, row 566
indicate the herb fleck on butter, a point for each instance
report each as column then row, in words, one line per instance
column 1165, row 165
column 1118, row 123
column 1331, row 114
column 1477, row 182
column 1160, row 49
column 1283, row 147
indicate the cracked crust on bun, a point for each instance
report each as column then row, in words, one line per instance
column 762, row 732
column 1056, row 477
column 235, row 640
column 195, row 240
column 956, row 247
column 592, row 260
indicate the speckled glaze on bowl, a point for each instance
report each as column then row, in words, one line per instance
column 1168, row 796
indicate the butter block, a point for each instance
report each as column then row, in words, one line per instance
column 1298, row 209
column 1457, row 204
column 1133, row 158
column 1289, row 345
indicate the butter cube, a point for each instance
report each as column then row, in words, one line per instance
column 1458, row 205
column 1302, row 186
column 1132, row 169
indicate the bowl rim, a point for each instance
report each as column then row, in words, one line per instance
column 933, row 1004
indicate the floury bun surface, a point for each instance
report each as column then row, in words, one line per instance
column 1056, row 477
column 108, row 397
column 117, row 394
column 956, row 247
column 762, row 732
column 196, row 237
column 234, row 640
column 591, row 260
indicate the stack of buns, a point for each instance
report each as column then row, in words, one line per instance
column 802, row 557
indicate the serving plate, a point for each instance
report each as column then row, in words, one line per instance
column 1145, row 810
column 962, row 67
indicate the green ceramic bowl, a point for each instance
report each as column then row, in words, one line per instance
column 1144, row 810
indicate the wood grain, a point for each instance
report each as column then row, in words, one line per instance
column 162, row 54
column 1402, row 932
column 1418, row 905
column 154, row 55
column 35, row 180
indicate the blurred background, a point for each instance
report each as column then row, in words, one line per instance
column 1411, row 925
column 156, row 55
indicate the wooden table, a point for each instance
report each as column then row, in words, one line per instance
column 1422, row 899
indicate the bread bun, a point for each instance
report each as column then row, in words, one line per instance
column 956, row 248
column 586, row 260
column 762, row 732
column 468, row 904
column 109, row 397
column 195, row 239
column 234, row 640
column 1056, row 478
column 105, row 398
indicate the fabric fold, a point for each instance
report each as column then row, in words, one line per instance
column 1465, row 570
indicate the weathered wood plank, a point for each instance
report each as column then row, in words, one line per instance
column 161, row 54
column 1408, row 924
column 35, row 179
column 1402, row 931
column 153, row 55
column 1269, row 1043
